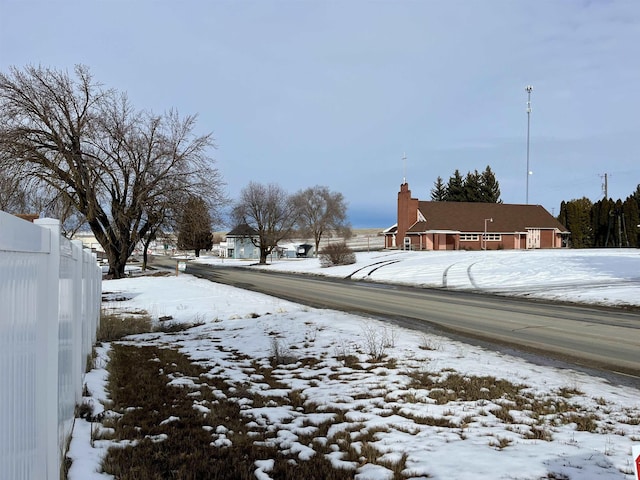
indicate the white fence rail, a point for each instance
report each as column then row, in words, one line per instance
column 50, row 291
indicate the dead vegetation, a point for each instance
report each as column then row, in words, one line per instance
column 162, row 435
column 170, row 417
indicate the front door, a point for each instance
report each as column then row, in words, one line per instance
column 533, row 238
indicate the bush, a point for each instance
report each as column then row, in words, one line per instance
column 336, row 254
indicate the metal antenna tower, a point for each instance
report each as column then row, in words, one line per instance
column 528, row 89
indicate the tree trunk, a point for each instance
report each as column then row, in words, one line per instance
column 117, row 265
column 118, row 253
column 145, row 246
column 263, row 256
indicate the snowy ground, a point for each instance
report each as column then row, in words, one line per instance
column 598, row 276
column 555, row 424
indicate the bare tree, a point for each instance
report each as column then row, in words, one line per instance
column 268, row 209
column 13, row 195
column 321, row 213
column 20, row 195
column 115, row 165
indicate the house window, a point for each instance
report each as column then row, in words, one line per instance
column 493, row 237
column 469, row 237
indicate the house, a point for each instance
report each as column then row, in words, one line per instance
column 426, row 225
column 240, row 243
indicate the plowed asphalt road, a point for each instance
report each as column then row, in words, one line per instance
column 595, row 338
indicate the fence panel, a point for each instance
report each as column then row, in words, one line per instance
column 49, row 311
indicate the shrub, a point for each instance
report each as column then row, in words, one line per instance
column 336, row 254
column 280, row 355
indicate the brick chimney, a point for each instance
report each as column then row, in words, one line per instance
column 407, row 213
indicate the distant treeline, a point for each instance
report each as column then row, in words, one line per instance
column 474, row 187
column 606, row 223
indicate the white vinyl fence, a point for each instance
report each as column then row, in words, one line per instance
column 50, row 291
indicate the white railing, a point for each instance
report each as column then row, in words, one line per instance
column 50, row 291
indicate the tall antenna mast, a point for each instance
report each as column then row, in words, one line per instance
column 528, row 89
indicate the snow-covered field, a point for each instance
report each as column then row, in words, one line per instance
column 440, row 408
column 598, row 276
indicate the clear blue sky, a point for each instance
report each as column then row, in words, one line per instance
column 334, row 92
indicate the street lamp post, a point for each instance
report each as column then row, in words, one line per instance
column 528, row 89
column 484, row 235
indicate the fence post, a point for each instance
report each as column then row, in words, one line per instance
column 79, row 321
column 47, row 364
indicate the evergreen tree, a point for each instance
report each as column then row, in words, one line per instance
column 636, row 196
column 455, row 188
column 610, row 224
column 631, row 220
column 602, row 222
column 472, row 187
column 439, row 191
column 576, row 216
column 489, row 187
column 194, row 226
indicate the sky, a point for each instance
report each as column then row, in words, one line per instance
column 236, row 333
column 304, row 93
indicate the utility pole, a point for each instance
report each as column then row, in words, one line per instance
column 528, row 89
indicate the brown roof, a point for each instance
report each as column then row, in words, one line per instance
column 470, row 217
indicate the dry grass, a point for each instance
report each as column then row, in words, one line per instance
column 145, row 400
column 456, row 387
column 175, row 440
column 183, row 448
column 114, row 326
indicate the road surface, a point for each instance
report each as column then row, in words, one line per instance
column 595, row 338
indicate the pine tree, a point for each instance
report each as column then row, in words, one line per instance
column 631, row 219
column 455, row 188
column 576, row 216
column 194, row 227
column 609, row 223
column 489, row 187
column 472, row 187
column 636, row 197
column 602, row 222
column 439, row 191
